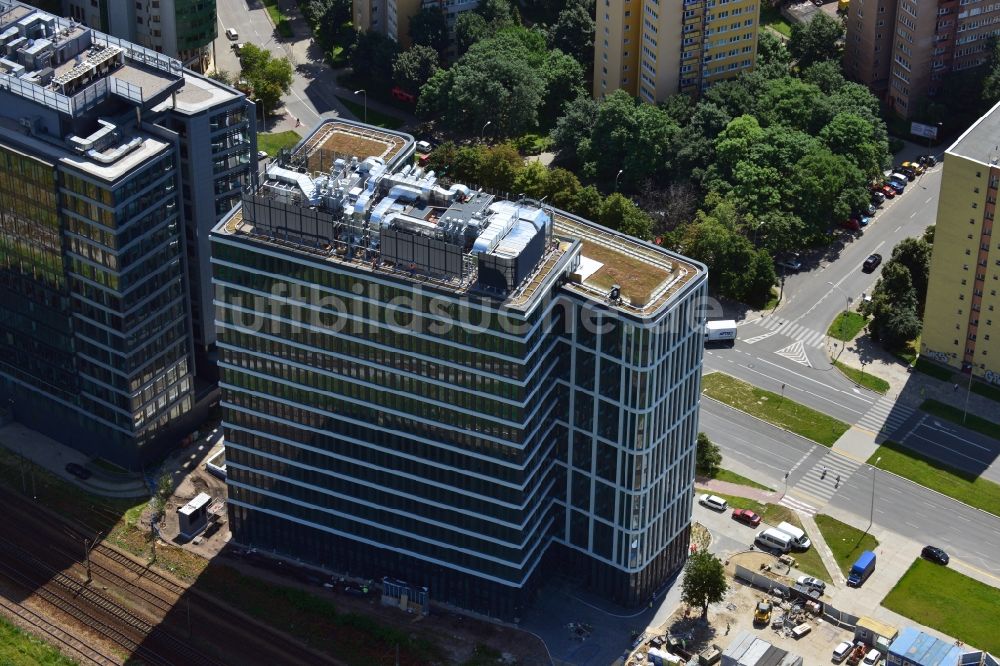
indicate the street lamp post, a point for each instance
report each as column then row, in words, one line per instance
column 617, row 176
column 362, row 91
column 968, row 394
column 482, row 132
column 871, row 516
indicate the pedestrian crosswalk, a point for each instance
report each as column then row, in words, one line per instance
column 820, row 483
column 885, row 416
column 795, row 352
column 797, row 332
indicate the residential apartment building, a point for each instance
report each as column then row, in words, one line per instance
column 96, row 341
column 427, row 382
column 655, row 49
column 962, row 316
column 181, row 29
column 903, row 49
column 390, row 17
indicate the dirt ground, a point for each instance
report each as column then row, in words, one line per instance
column 734, row 614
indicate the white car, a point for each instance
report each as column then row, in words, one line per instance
column 232, row 34
column 713, row 502
column 841, row 651
column 261, row 154
column 809, row 581
column 873, row 658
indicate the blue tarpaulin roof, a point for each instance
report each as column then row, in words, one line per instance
column 920, row 649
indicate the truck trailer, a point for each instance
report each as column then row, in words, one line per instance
column 862, row 569
column 720, row 331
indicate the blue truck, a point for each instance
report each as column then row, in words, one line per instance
column 862, row 569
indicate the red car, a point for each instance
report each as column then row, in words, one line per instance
column 888, row 191
column 747, row 517
column 851, row 225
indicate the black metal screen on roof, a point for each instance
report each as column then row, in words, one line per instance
column 289, row 222
column 421, row 254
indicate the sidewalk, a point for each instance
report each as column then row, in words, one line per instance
column 727, row 488
column 54, row 457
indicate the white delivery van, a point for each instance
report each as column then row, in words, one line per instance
column 772, row 538
column 799, row 538
column 720, row 331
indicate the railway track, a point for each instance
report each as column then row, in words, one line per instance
column 143, row 571
column 97, row 611
column 39, row 625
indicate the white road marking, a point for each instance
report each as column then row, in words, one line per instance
column 916, row 527
column 954, row 435
column 946, row 448
column 929, row 199
column 913, row 214
column 897, row 228
column 962, row 518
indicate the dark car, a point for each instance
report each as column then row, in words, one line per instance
column 907, row 171
column 878, row 198
column 927, row 160
column 747, row 517
column 79, row 471
column 897, row 185
column 851, row 225
column 935, row 554
column 871, row 263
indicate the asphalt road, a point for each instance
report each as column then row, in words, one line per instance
column 900, row 506
column 790, row 346
column 969, row 451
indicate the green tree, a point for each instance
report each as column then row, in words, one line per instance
column 619, row 213
column 894, row 307
column 429, row 27
column 704, row 581
column 223, row 77
column 532, row 180
column 825, row 75
column 575, row 125
column 269, row 77
column 929, row 234
column 562, row 188
column 708, row 457
column 853, row 137
column 587, row 203
column 816, row 41
column 374, row 55
column 771, row 50
column 470, row 28
column 915, row 255
column 498, row 14
column 500, row 168
column 573, row 33
column 414, row 67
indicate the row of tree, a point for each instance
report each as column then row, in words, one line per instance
column 502, row 169
column 899, row 296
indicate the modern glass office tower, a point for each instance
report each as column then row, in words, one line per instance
column 96, row 341
column 434, row 384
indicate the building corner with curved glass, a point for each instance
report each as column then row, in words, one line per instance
column 423, row 381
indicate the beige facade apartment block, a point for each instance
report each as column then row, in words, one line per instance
column 962, row 316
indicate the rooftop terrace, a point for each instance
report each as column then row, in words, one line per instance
column 401, row 222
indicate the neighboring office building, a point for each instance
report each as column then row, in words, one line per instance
column 369, row 430
column 654, row 50
column 962, row 316
column 903, row 49
column 96, row 346
column 181, row 29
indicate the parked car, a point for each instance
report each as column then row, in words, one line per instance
column 935, row 554
column 713, row 502
column 927, row 160
column 79, row 471
column 916, row 166
column 424, row 147
column 888, row 191
column 232, row 34
column 809, row 581
column 871, row 263
column 873, row 658
column 863, row 220
column 870, row 210
column 261, row 154
column 841, row 651
column 878, row 198
column 851, row 225
column 900, row 178
column 747, row 517
column 897, row 185
column 906, row 171
column 790, row 263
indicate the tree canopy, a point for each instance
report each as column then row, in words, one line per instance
column 817, row 40
column 573, row 33
column 709, row 458
column 414, row 67
column 268, row 77
column 704, row 581
column 429, row 27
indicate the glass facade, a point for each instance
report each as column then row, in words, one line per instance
column 378, row 429
column 94, row 333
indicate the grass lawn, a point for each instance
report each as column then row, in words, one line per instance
column 934, row 370
column 20, row 647
column 808, row 562
column 281, row 24
column 866, row 379
column 910, row 353
column 273, row 142
column 773, row 408
column 733, row 477
column 771, row 16
column 772, row 301
column 955, row 415
column 950, row 602
column 845, row 541
column 374, row 117
column 971, row 489
column 986, row 390
column 638, row 279
column 846, row 326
